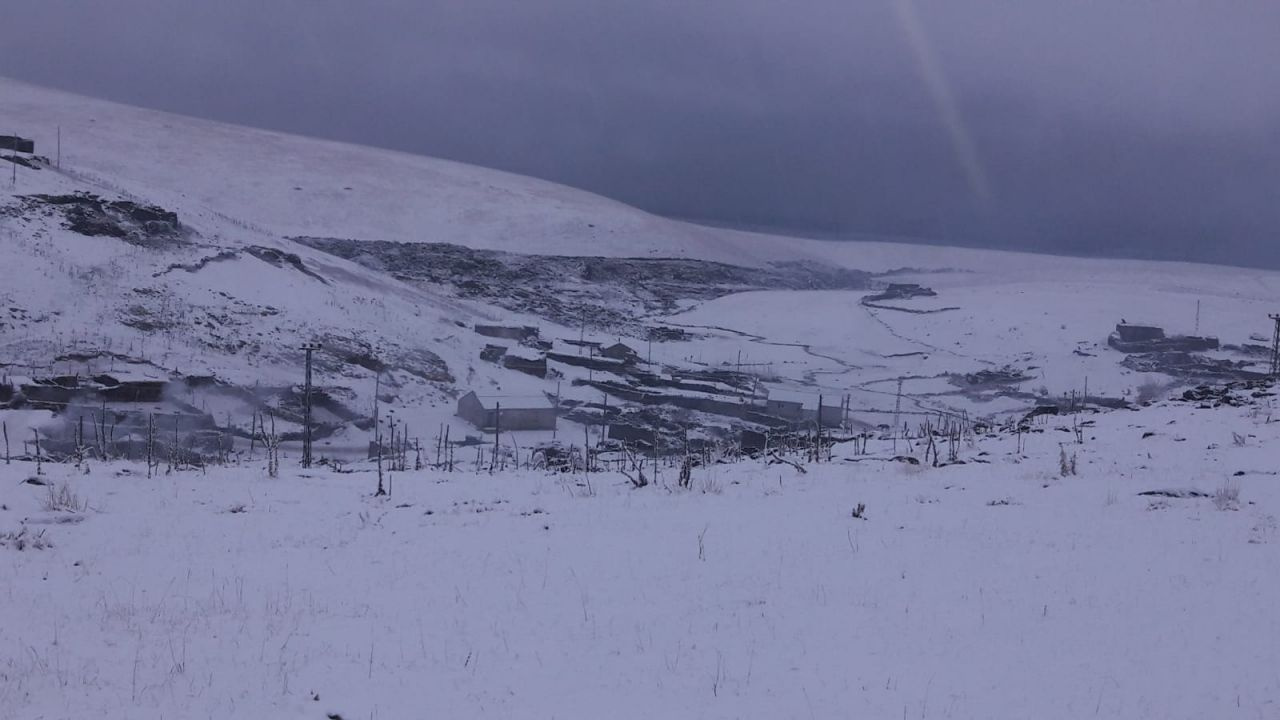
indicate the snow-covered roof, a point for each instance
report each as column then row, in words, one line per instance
column 514, row 401
column 797, row 396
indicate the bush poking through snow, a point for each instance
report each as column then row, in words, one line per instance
column 686, row 473
column 1066, row 465
column 21, row 540
column 859, row 511
column 709, row 484
column 1227, row 496
column 64, row 499
column 1151, row 391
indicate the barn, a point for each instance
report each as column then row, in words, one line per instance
column 506, row 332
column 507, row 412
column 17, row 144
column 1138, row 333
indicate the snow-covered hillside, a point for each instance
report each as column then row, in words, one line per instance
column 385, row 258
column 287, row 185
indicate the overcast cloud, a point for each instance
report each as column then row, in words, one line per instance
column 1147, row 129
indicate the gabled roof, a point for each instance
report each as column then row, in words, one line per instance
column 513, row 401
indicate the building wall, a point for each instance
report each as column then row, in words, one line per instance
column 1138, row 333
column 507, row 332
column 528, row 419
column 785, row 409
column 17, row 144
column 832, row 415
column 471, row 409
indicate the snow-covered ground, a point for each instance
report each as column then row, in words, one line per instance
column 992, row 589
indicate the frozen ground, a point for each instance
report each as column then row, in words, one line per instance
column 995, row 589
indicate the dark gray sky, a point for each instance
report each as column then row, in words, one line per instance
column 1146, row 128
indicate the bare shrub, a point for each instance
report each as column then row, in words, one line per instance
column 271, row 441
column 64, row 499
column 22, row 540
column 1151, row 391
column 1227, row 496
column 1066, row 464
column 686, row 472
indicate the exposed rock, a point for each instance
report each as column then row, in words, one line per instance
column 279, row 258
column 1190, row 365
column 88, row 214
column 594, row 291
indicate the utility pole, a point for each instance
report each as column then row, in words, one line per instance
column 897, row 409
column 14, row 180
column 306, row 408
column 1197, row 317
column 1275, row 346
column 58, row 162
column 497, row 433
column 817, row 447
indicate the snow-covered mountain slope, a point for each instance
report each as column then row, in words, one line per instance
column 277, row 240
column 288, row 185
column 96, row 284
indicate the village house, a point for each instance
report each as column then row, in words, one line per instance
column 506, row 412
column 620, row 351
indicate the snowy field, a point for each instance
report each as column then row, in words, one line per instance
column 997, row 588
